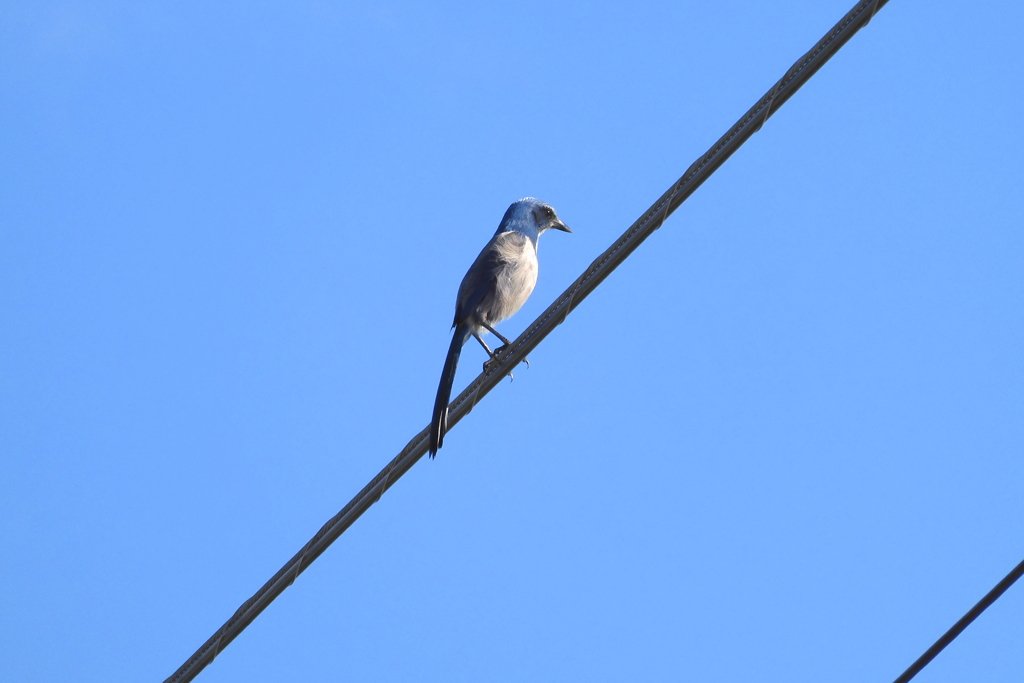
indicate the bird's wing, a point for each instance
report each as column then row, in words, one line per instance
column 480, row 284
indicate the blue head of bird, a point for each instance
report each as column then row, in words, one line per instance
column 531, row 217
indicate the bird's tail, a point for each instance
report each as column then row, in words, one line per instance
column 439, row 425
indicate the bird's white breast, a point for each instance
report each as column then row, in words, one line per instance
column 517, row 275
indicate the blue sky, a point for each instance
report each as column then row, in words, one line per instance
column 782, row 442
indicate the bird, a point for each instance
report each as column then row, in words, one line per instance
column 498, row 283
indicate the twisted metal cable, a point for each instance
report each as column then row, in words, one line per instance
column 556, row 313
column 965, row 621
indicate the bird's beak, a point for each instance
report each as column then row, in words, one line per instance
column 559, row 225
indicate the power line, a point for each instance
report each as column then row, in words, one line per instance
column 964, row 622
column 556, row 313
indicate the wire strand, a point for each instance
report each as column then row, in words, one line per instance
column 959, row 626
column 556, row 313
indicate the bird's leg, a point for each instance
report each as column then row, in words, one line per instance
column 497, row 334
column 486, row 347
column 500, row 336
column 492, row 354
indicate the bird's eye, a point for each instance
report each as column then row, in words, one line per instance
column 549, row 211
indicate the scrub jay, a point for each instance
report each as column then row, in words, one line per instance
column 497, row 284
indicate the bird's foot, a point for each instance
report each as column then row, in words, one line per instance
column 505, row 346
column 496, row 358
column 490, row 364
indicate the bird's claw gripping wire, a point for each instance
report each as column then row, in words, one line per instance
column 489, row 367
column 505, row 346
column 494, row 360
